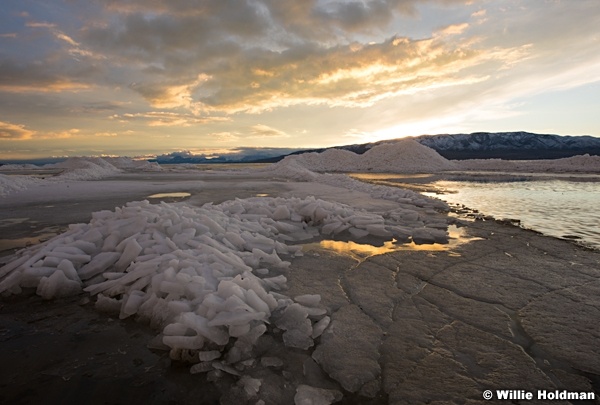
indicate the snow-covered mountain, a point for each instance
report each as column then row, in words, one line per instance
column 510, row 145
column 486, row 145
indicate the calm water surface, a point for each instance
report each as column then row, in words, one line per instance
column 554, row 207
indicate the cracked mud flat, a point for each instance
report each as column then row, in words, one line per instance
column 515, row 310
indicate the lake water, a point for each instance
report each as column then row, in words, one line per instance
column 560, row 208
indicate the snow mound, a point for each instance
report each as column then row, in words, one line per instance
column 122, row 162
column 84, row 168
column 25, row 166
column 580, row 163
column 575, row 164
column 403, row 156
column 293, row 168
column 13, row 183
column 407, row 156
column 75, row 169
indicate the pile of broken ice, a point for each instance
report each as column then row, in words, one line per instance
column 209, row 278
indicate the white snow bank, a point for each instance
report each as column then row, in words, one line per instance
column 403, row 156
column 24, row 166
column 84, row 168
column 295, row 170
column 575, row 164
column 74, row 169
column 12, row 183
column 209, row 278
column 122, row 162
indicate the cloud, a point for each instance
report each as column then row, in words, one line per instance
column 253, row 56
column 226, row 136
column 34, row 24
column 36, row 78
column 186, row 63
column 10, row 131
column 264, row 131
column 18, row 132
column 167, row 119
column 454, row 29
column 106, row 134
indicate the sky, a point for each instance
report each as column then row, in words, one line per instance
column 147, row 77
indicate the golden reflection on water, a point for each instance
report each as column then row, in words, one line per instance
column 457, row 236
column 167, row 195
column 382, row 176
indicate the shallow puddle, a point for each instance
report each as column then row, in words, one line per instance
column 361, row 251
column 170, row 195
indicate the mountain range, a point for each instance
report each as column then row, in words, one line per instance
column 487, row 145
column 510, row 145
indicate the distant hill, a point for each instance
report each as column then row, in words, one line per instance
column 510, row 145
column 488, row 145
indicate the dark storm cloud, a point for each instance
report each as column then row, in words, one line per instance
column 19, row 77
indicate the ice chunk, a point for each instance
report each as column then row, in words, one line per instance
column 11, row 281
column 175, row 329
column 184, row 342
column 298, row 339
column 308, row 300
column 307, row 395
column 238, row 317
column 281, row 212
column 111, row 242
column 131, row 304
column 67, row 267
column 107, row 304
column 239, row 330
column 274, row 362
column 320, row 326
column 74, row 258
column 209, row 355
column 203, row 367
column 294, row 317
column 378, row 230
column 422, row 236
column 57, row 285
column 200, row 325
column 31, row 276
column 236, row 240
column 358, row 233
column 99, row 263
column 254, row 301
column 225, row 367
column 130, row 253
column 250, row 385
column 7, row 268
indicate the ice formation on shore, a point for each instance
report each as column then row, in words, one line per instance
column 211, row 278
